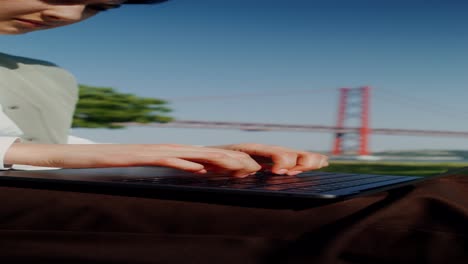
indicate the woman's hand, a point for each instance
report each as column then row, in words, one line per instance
column 236, row 160
column 281, row 160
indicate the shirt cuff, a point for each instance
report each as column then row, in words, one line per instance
column 5, row 144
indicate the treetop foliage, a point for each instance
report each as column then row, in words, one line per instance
column 102, row 107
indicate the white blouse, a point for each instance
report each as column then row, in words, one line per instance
column 38, row 101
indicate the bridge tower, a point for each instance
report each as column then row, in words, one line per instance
column 353, row 111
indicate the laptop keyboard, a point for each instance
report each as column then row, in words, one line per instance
column 308, row 182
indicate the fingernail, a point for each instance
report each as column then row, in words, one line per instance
column 292, row 173
column 323, row 163
column 282, row 171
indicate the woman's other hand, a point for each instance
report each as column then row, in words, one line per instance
column 281, row 160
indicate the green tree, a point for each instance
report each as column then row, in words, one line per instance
column 100, row 107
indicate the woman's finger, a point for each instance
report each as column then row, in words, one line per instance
column 308, row 161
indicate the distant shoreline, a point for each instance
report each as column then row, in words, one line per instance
column 396, row 158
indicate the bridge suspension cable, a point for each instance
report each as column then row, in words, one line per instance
column 204, row 98
column 419, row 104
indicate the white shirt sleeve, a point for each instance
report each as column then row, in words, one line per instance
column 7, row 126
column 78, row 140
column 9, row 134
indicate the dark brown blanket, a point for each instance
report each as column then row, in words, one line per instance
column 427, row 224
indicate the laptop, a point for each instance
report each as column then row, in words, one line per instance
column 261, row 190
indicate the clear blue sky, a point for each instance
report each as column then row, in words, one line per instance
column 413, row 53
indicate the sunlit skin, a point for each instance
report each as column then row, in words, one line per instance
column 238, row 160
column 23, row 16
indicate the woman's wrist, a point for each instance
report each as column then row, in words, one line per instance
column 6, row 144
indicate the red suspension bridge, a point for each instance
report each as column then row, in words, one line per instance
column 354, row 107
column 299, row 128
